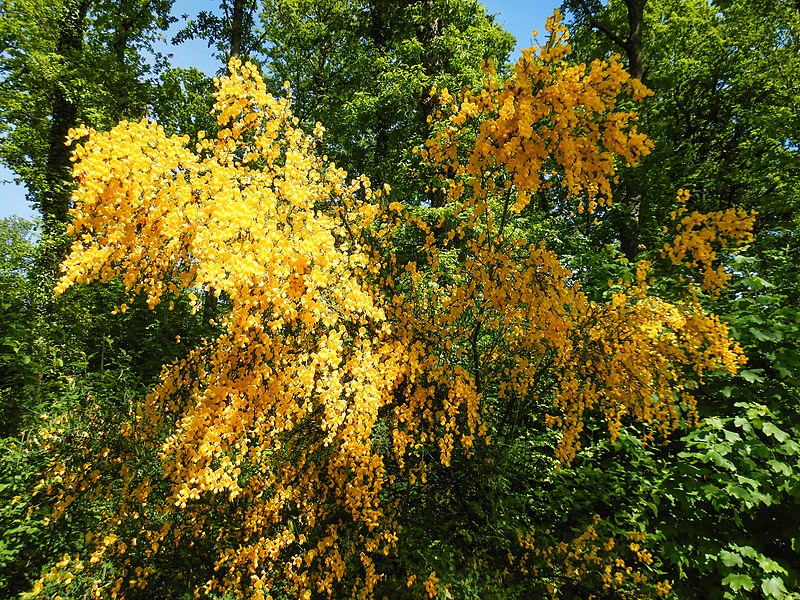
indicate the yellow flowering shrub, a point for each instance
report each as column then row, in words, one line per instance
column 340, row 373
column 273, row 421
column 509, row 322
column 552, row 123
column 617, row 566
column 503, row 327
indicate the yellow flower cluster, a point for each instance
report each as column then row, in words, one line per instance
column 551, row 123
column 620, row 567
column 700, row 237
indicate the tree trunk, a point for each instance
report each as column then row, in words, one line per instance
column 379, row 32
column 631, row 43
column 55, row 200
column 432, row 65
column 630, row 229
column 235, row 21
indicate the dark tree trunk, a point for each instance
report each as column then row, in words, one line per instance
column 238, row 20
column 125, row 97
column 380, row 35
column 55, row 200
column 432, row 65
column 630, row 229
column 631, row 43
column 237, row 27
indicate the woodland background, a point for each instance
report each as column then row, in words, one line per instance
column 709, row 510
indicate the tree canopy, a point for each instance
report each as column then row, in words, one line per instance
column 377, row 314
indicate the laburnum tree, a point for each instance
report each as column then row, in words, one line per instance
column 331, row 425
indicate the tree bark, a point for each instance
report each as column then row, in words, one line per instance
column 237, row 28
column 432, row 65
column 237, row 20
column 55, row 200
column 631, row 44
column 380, row 34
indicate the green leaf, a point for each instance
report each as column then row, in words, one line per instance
column 789, row 447
column 773, row 431
column 719, row 460
column 768, row 565
column 780, row 467
column 737, row 581
column 756, row 283
column 752, row 375
column 740, row 492
column 731, row 559
column 732, row 436
column 774, row 588
column 751, row 482
column 760, row 335
column 747, row 551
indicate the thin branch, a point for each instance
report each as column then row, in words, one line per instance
column 595, row 24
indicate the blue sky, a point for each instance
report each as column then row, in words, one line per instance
column 520, row 17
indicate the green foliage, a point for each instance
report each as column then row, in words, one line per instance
column 82, row 410
column 720, row 504
column 22, row 532
column 723, row 499
column 743, row 466
column 737, row 491
column 724, row 76
column 231, row 31
column 366, row 70
column 17, row 370
column 71, row 373
column 182, row 102
column 64, row 63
